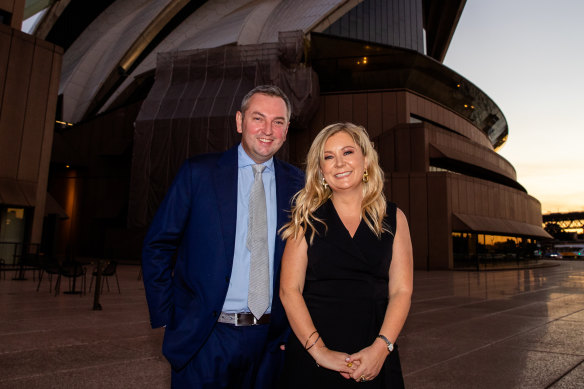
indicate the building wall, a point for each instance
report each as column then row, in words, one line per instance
column 94, row 188
column 29, row 77
column 14, row 11
column 406, row 147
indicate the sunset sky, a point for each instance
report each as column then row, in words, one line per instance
column 528, row 56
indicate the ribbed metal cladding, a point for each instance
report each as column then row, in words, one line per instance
column 389, row 22
column 191, row 109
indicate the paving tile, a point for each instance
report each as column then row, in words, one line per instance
column 494, row 367
column 138, row 374
column 573, row 379
column 560, row 336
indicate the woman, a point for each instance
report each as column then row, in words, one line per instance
column 347, row 273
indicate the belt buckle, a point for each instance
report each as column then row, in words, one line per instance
column 239, row 323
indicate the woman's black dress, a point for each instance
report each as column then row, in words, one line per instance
column 346, row 291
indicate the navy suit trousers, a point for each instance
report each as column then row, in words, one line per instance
column 230, row 358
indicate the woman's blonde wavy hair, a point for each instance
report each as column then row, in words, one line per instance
column 314, row 193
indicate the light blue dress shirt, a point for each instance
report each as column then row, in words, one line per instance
column 236, row 299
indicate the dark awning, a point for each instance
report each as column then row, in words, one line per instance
column 52, row 207
column 491, row 225
column 23, row 194
column 17, row 193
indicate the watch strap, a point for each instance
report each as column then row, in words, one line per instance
column 389, row 344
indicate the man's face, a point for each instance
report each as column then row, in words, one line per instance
column 263, row 126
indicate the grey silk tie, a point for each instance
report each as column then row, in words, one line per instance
column 257, row 243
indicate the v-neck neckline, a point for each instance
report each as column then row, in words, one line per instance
column 343, row 224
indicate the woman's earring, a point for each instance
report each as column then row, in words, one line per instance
column 324, row 183
column 365, row 176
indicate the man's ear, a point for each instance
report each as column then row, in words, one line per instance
column 286, row 131
column 239, row 121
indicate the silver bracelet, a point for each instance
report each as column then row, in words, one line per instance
column 313, row 343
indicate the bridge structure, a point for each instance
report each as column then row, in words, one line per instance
column 567, row 221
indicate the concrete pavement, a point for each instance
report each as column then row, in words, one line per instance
column 494, row 329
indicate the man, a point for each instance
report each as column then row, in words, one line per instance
column 212, row 339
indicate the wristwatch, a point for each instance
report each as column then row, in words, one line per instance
column 389, row 344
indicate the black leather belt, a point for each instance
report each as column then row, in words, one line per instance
column 243, row 319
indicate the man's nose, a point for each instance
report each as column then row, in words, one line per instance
column 268, row 128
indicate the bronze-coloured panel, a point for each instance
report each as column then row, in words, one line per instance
column 454, row 193
column 403, row 150
column 14, row 102
column 400, row 191
column 439, row 222
column 389, row 107
column 419, row 148
column 346, row 108
column 462, row 199
column 360, row 109
column 402, row 110
column 35, row 116
column 47, row 142
column 331, row 109
column 17, row 14
column 5, row 37
column 374, row 114
column 470, row 196
column 418, row 218
column 385, row 145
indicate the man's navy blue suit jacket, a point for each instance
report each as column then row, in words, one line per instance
column 197, row 220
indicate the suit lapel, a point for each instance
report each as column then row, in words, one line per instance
column 225, row 183
column 283, row 195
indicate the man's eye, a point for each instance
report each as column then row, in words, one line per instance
column 279, row 123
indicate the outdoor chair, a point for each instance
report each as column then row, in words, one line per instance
column 50, row 267
column 110, row 270
column 71, row 270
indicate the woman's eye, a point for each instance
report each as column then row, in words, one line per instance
column 328, row 157
column 348, row 152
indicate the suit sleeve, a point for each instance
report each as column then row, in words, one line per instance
column 160, row 245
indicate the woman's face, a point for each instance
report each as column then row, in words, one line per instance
column 343, row 163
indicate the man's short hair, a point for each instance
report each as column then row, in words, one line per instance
column 268, row 90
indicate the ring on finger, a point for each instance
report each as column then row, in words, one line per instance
column 362, row 379
column 350, row 364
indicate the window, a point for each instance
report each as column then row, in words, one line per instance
column 473, row 249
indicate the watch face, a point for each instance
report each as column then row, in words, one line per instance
column 390, row 347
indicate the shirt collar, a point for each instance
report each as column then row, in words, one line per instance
column 244, row 160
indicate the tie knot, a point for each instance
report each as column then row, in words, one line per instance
column 257, row 169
